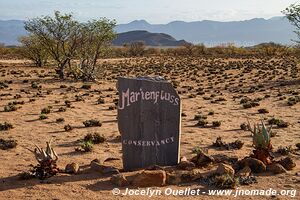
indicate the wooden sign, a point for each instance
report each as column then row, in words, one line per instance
column 149, row 120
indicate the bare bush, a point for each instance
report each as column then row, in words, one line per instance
column 135, row 48
column 95, row 37
column 33, row 50
column 59, row 36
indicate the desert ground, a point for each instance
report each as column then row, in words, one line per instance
column 213, row 87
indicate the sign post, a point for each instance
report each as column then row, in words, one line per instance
column 149, row 120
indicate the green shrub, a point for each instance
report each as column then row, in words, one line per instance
column 46, row 110
column 95, row 138
column 43, row 116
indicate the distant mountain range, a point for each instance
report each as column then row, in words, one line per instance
column 210, row 33
column 10, row 30
column 150, row 39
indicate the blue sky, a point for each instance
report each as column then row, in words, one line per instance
column 154, row 11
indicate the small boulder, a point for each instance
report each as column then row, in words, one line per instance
column 110, row 159
column 184, row 176
column 185, row 165
column 288, row 163
column 119, row 180
column 224, row 169
column 202, row 159
column 245, row 172
column 72, row 168
column 183, row 158
column 95, row 165
column 255, row 165
column 222, row 158
column 97, row 160
column 110, row 170
column 149, row 179
column 196, row 174
column 173, row 178
column 276, row 168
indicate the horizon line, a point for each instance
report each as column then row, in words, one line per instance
column 282, row 16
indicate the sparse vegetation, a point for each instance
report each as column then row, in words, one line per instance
column 198, row 150
column 60, row 120
column 279, row 122
column 92, row 123
column 232, row 145
column 262, row 142
column 86, row 86
column 5, row 126
column 68, row 127
column 263, row 111
column 135, row 48
column 64, row 38
column 7, row 144
column 202, row 123
column 214, row 82
column 47, row 159
column 10, row 108
column 211, row 112
column 95, row 138
column 68, row 104
column 216, row 123
column 62, row 109
column 86, row 146
column 43, row 116
column 224, row 181
column 46, row 110
column 285, row 150
column 33, row 50
column 100, row 101
column 244, row 126
column 87, row 143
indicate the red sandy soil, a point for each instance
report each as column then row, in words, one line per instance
column 28, row 130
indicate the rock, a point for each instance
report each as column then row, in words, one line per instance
column 245, row 172
column 202, row 159
column 184, row 165
column 110, row 170
column 97, row 160
column 149, row 179
column 263, row 155
column 154, row 167
column 183, row 158
column 119, row 180
column 224, row 169
column 178, row 177
column 255, row 165
column 173, row 178
column 276, row 168
column 196, row 174
column 96, row 166
column 103, row 169
column 247, row 180
column 110, row 159
column 288, row 163
column 72, row 168
column 222, row 158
